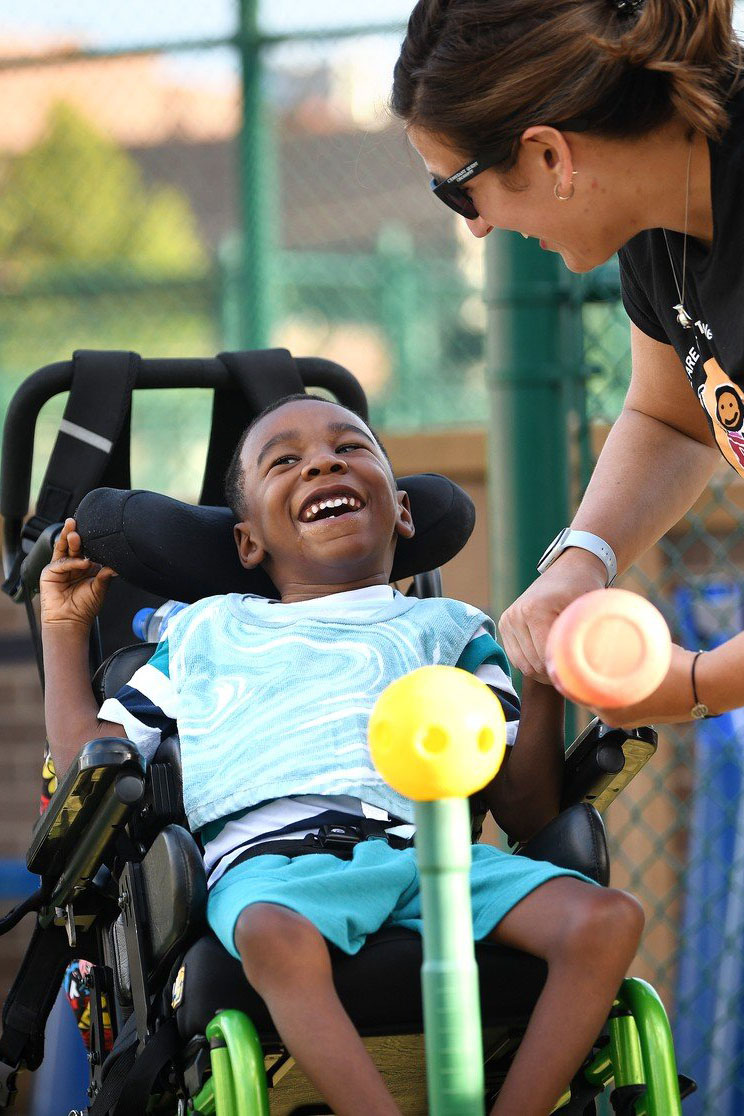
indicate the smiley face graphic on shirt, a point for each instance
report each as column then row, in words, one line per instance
column 724, row 405
column 728, row 408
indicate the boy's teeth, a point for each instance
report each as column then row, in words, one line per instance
column 335, row 502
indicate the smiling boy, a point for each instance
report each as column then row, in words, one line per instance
column 271, row 701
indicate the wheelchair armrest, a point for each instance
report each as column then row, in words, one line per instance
column 118, row 668
column 91, row 803
column 574, row 839
column 602, row 761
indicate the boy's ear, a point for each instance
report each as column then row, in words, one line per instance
column 404, row 520
column 250, row 550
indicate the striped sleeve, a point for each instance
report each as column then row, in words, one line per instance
column 146, row 706
column 486, row 660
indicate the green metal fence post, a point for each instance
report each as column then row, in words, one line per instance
column 528, row 461
column 398, row 301
column 255, row 175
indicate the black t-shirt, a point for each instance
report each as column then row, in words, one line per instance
column 713, row 351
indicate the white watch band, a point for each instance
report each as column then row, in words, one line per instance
column 585, row 540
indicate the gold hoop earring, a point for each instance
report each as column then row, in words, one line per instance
column 566, row 198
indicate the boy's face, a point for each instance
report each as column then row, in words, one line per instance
column 322, row 510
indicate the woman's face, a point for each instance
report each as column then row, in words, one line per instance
column 585, row 230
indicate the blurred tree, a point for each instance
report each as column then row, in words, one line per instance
column 76, row 198
column 92, row 257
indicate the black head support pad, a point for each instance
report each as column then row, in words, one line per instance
column 184, row 552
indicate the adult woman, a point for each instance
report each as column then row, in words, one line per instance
column 598, row 126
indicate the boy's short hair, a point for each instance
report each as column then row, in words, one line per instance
column 234, row 474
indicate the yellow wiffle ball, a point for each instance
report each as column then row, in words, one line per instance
column 438, row 732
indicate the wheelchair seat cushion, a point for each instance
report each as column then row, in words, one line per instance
column 380, row 987
column 183, row 552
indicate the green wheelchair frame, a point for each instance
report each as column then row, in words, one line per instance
column 638, row 1058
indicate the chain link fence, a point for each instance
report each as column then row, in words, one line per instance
column 126, row 137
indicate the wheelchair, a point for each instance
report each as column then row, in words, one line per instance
column 122, row 882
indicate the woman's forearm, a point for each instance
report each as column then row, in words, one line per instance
column 647, row 476
column 70, row 708
column 719, row 685
column 719, row 676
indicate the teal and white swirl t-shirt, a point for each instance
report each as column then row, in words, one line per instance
column 271, row 701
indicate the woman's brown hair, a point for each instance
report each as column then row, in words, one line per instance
column 478, row 72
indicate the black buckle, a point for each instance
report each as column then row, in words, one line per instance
column 8, row 1089
column 340, row 837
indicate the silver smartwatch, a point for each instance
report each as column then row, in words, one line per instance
column 585, row 540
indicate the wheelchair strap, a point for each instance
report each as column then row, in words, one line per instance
column 338, row 840
column 31, row 997
column 129, row 1081
column 260, row 377
column 91, row 449
column 30, row 1000
column 333, row 827
column 92, row 446
column 34, row 902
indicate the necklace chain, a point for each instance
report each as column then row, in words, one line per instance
column 683, row 317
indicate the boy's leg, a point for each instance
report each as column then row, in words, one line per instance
column 588, row 936
column 287, row 961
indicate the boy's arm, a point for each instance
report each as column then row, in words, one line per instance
column 72, row 592
column 525, row 795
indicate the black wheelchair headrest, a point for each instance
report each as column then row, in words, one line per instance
column 185, row 552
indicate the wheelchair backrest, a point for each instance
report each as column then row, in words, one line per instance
column 140, row 534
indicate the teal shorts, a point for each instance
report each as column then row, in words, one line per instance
column 346, row 900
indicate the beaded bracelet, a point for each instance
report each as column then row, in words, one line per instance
column 699, row 710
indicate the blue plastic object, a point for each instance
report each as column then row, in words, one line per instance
column 149, row 624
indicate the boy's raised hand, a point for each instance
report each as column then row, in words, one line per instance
column 72, row 586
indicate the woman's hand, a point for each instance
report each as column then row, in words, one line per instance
column 72, row 587
column 525, row 625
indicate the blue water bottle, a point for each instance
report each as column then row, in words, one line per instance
column 149, row 624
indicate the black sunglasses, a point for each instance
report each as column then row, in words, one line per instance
column 449, row 190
